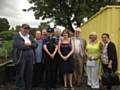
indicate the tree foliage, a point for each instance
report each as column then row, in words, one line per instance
column 43, row 25
column 7, row 35
column 63, row 10
column 4, row 24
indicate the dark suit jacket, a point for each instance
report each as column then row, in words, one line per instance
column 112, row 55
column 19, row 47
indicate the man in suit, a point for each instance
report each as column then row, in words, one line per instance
column 79, row 56
column 23, row 53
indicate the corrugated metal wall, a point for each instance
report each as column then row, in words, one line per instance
column 106, row 20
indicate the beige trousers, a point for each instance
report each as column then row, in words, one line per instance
column 78, row 68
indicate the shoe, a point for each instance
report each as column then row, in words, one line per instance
column 47, row 88
column 79, row 84
column 71, row 88
column 89, row 86
column 65, row 88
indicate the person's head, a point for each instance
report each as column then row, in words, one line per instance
column 77, row 32
column 57, row 32
column 38, row 35
column 66, row 33
column 44, row 32
column 50, row 32
column 93, row 36
column 24, row 29
column 105, row 37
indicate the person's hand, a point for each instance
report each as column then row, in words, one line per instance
column 110, row 66
column 90, row 58
column 52, row 56
column 28, row 44
column 65, row 58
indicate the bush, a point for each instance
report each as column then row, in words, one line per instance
column 6, row 50
column 7, row 35
column 2, row 53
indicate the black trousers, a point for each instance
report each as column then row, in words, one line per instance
column 50, row 72
column 38, row 74
column 106, row 69
column 59, row 72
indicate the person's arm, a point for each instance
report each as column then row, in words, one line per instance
column 84, row 48
column 71, row 52
column 111, row 54
column 33, row 43
column 59, row 49
column 97, row 56
column 55, row 51
column 87, row 54
column 45, row 47
column 46, row 50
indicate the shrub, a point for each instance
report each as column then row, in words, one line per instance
column 6, row 49
column 7, row 35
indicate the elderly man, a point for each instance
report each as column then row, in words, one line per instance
column 23, row 52
column 79, row 56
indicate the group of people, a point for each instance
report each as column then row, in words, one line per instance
column 54, row 56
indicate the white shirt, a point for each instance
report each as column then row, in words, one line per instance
column 78, row 46
column 104, row 55
column 26, row 38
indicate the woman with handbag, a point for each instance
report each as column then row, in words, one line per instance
column 93, row 51
column 109, row 57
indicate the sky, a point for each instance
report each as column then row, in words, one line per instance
column 12, row 10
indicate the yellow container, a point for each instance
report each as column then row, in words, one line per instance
column 106, row 20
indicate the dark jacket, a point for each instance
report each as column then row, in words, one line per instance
column 112, row 55
column 19, row 47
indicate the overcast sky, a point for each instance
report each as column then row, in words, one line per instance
column 12, row 10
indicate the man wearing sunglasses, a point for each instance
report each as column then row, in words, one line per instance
column 23, row 56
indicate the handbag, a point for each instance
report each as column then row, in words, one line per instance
column 91, row 63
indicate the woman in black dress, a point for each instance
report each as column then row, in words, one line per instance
column 50, row 49
column 109, row 57
column 65, row 50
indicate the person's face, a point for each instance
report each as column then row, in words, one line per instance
column 65, row 35
column 105, row 38
column 57, row 33
column 50, row 34
column 77, row 33
column 93, row 37
column 38, row 35
column 44, row 33
column 25, row 30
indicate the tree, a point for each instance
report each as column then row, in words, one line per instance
column 4, row 24
column 44, row 25
column 17, row 28
column 66, row 11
